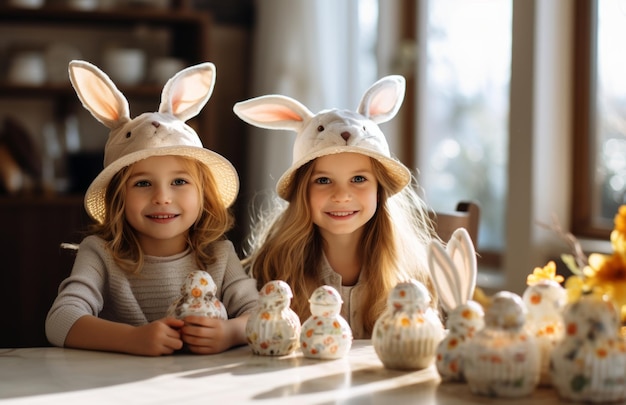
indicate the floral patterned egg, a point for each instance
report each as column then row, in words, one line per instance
column 273, row 329
column 406, row 335
column 502, row 359
column 198, row 297
column 463, row 321
column 589, row 364
column 326, row 334
column 544, row 301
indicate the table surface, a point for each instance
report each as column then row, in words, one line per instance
column 54, row 375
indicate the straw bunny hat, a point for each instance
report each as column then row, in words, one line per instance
column 333, row 131
column 152, row 133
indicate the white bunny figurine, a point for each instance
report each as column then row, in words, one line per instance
column 197, row 297
column 453, row 270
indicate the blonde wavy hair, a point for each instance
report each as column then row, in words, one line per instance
column 121, row 239
column 284, row 244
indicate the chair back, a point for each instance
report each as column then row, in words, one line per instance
column 467, row 215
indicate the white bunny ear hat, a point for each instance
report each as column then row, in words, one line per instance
column 150, row 134
column 333, row 131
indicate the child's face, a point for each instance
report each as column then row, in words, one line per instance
column 162, row 203
column 342, row 193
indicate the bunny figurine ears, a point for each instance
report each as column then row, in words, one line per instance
column 333, row 131
column 453, row 269
column 153, row 133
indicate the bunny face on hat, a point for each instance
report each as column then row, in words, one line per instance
column 333, row 131
column 159, row 133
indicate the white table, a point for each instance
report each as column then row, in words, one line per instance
column 67, row 376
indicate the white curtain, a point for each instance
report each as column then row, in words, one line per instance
column 305, row 50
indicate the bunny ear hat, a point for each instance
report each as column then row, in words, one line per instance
column 150, row 134
column 333, row 131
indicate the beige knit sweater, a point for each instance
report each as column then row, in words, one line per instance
column 97, row 286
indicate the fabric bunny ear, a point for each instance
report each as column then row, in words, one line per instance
column 383, row 99
column 453, row 269
column 273, row 112
column 185, row 94
column 98, row 94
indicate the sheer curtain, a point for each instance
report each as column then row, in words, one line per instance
column 310, row 51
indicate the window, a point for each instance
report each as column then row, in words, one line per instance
column 464, row 106
column 600, row 116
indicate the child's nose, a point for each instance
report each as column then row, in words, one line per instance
column 161, row 195
column 341, row 194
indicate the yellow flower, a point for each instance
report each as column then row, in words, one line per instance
column 618, row 235
column 606, row 274
column 548, row 272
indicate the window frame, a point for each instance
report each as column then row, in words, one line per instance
column 584, row 118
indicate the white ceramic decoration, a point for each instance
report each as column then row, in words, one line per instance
column 326, row 334
column 273, row 329
column 406, row 335
column 589, row 364
column 198, row 297
column 502, row 359
column 453, row 270
column 544, row 301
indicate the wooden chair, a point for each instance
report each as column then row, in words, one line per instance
column 467, row 215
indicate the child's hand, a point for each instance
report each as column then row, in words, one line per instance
column 204, row 335
column 156, row 338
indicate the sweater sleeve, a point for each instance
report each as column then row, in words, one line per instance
column 80, row 294
column 238, row 290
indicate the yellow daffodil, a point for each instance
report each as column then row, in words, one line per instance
column 618, row 235
column 548, row 272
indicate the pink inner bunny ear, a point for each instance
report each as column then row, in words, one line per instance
column 185, row 94
column 273, row 112
column 383, row 99
column 98, row 94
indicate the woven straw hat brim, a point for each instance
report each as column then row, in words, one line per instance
column 396, row 170
column 223, row 172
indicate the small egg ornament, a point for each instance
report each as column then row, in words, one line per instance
column 326, row 334
column 406, row 335
column 198, row 297
column 589, row 364
column 273, row 329
column 502, row 359
column 544, row 301
column 462, row 323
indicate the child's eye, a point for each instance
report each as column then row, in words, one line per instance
column 359, row 179
column 322, row 180
column 142, row 183
column 179, row 182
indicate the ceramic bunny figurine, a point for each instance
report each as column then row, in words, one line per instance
column 589, row 364
column 406, row 335
column 273, row 329
column 502, row 359
column 326, row 334
column 198, row 298
column 453, row 270
column 545, row 300
column 163, row 132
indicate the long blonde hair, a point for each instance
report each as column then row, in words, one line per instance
column 121, row 239
column 284, row 244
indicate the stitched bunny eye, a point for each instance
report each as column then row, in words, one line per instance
column 320, row 128
column 127, row 135
column 364, row 129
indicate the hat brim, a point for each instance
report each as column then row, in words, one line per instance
column 223, row 172
column 396, row 170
